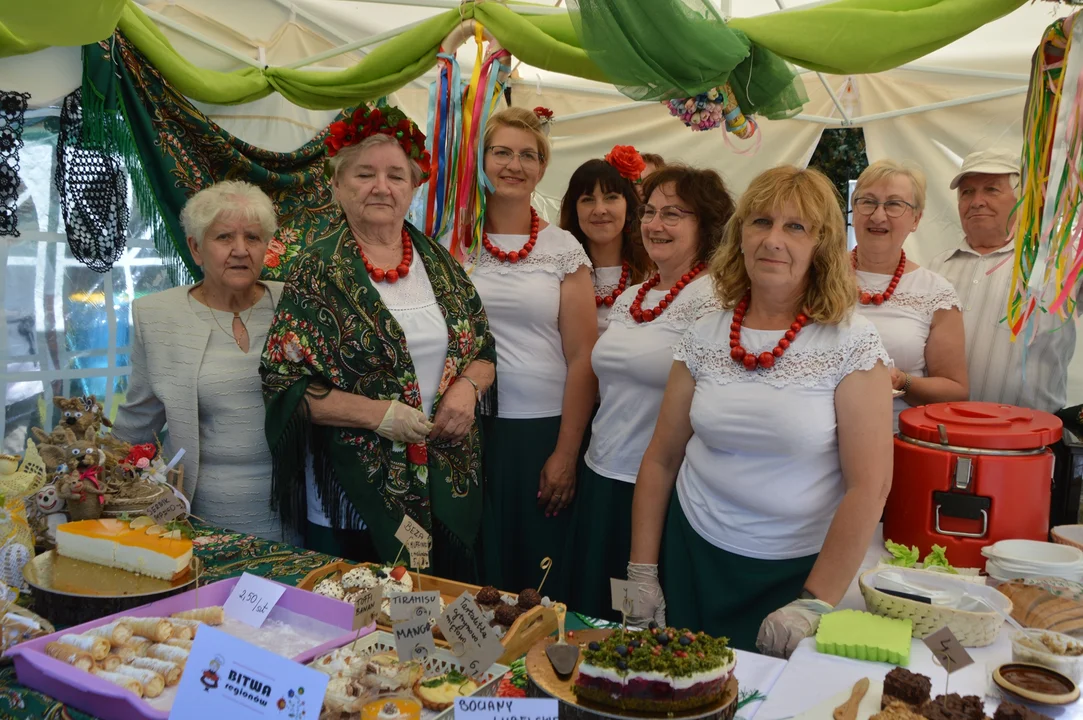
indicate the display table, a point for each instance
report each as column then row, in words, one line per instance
column 771, row 689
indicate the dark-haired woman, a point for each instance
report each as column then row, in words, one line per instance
column 600, row 209
column 681, row 225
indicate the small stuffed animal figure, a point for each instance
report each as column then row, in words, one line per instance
column 83, row 484
column 51, row 507
column 81, row 413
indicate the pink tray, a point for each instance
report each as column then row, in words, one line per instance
column 91, row 694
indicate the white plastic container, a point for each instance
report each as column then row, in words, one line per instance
column 1032, row 649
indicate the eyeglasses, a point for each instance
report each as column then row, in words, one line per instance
column 671, row 214
column 503, row 155
column 892, row 208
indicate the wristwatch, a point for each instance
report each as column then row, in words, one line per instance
column 906, row 383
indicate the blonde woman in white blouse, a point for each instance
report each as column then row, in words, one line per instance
column 534, row 280
column 915, row 310
column 682, row 224
column 195, row 361
column 775, row 429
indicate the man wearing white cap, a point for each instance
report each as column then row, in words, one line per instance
column 980, row 268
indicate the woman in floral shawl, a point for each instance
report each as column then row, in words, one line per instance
column 374, row 366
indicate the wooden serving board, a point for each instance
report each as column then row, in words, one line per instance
column 544, row 682
column 529, row 628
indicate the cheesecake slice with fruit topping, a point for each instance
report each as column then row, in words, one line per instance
column 139, row 546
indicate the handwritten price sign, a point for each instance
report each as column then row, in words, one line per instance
column 410, row 605
column 252, row 599
column 472, row 640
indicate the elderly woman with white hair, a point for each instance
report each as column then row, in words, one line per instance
column 374, row 367
column 195, row 361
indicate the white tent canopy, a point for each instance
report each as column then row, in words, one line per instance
column 966, row 96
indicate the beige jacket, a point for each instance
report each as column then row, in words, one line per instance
column 168, row 342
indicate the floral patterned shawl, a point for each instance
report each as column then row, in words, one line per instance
column 331, row 328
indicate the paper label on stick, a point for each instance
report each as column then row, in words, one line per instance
column 166, row 509
column 947, row 650
column 479, row 708
column 472, row 640
column 413, row 639
column 224, row 672
column 411, row 534
column 252, row 599
column 419, row 559
column 627, row 597
column 366, row 605
column 410, row 605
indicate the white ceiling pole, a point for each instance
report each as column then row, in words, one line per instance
column 965, row 72
column 970, row 100
column 350, row 47
column 174, row 25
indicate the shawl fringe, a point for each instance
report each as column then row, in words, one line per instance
column 288, row 487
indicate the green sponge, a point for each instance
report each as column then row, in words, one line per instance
column 864, row 636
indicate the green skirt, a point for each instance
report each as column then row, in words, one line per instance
column 515, row 534
column 601, row 541
column 719, row 592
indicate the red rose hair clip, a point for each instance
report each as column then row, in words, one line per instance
column 627, row 161
column 545, row 117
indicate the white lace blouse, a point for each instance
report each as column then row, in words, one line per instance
column 522, row 301
column 761, row 475
column 632, row 362
column 905, row 319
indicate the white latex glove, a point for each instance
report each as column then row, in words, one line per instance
column 653, row 603
column 783, row 629
column 403, row 423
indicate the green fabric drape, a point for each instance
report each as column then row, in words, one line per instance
column 172, row 150
column 30, row 25
column 669, row 49
column 844, row 37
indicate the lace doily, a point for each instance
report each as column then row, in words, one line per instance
column 808, row 367
column 93, row 192
column 922, row 303
column 685, row 310
column 12, row 118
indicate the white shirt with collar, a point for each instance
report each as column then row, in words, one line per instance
column 994, row 362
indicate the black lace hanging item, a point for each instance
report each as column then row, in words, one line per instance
column 12, row 118
column 93, row 191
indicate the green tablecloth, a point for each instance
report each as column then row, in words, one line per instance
column 224, row 555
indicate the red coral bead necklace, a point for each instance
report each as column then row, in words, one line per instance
column 401, row 270
column 625, row 271
column 513, row 256
column 640, row 315
column 880, row 298
column 764, row 360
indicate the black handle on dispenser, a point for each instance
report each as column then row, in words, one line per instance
column 961, row 505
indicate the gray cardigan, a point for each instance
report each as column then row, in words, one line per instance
column 168, row 343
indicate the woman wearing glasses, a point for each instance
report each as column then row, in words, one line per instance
column 915, row 310
column 681, row 225
column 534, row 280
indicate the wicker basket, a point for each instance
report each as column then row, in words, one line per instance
column 973, row 629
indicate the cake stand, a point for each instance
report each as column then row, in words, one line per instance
column 70, row 592
column 543, row 682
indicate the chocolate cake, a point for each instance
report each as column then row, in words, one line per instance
column 902, row 685
column 658, row 670
column 1011, row 711
column 953, row 707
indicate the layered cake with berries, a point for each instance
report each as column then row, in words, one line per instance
column 655, row 670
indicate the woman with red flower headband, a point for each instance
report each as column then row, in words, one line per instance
column 599, row 209
column 535, row 281
column 684, row 220
column 375, row 364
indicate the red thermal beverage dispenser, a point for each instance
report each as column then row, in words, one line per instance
column 968, row 474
